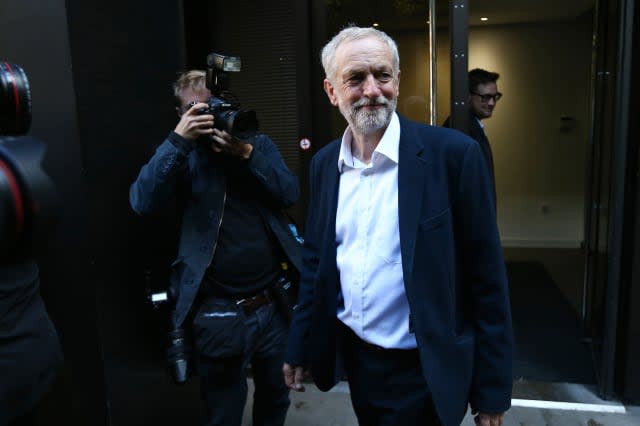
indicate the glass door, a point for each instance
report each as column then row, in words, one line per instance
column 605, row 194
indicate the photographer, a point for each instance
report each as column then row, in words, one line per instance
column 30, row 352
column 235, row 249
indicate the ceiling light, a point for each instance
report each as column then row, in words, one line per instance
column 484, row 19
column 375, row 24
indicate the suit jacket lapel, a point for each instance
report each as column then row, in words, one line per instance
column 411, row 186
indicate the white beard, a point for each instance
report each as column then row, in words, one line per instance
column 367, row 122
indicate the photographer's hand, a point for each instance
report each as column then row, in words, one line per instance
column 192, row 124
column 225, row 143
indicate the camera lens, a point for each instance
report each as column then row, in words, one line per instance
column 14, row 218
column 15, row 100
column 26, row 192
column 243, row 122
column 27, row 198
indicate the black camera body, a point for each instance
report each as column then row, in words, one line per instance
column 228, row 116
column 227, row 113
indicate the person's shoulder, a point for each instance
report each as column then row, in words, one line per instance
column 329, row 151
column 256, row 138
column 436, row 136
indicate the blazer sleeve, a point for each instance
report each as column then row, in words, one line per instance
column 485, row 280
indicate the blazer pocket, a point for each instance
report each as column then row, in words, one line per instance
column 436, row 221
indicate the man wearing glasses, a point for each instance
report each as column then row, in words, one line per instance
column 483, row 96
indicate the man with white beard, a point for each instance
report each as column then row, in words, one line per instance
column 403, row 287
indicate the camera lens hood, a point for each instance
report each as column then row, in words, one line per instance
column 15, row 100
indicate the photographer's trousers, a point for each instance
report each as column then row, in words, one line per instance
column 223, row 382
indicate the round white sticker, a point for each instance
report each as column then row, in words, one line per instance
column 305, row 144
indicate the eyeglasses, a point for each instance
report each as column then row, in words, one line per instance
column 486, row 98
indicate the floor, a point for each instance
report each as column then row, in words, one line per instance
column 315, row 408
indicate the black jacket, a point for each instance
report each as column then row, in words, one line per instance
column 179, row 163
column 477, row 133
column 30, row 353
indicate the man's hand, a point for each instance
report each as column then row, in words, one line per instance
column 293, row 377
column 193, row 124
column 230, row 145
column 483, row 419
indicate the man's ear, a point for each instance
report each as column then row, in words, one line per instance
column 329, row 90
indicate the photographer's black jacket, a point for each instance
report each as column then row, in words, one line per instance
column 30, row 353
column 181, row 165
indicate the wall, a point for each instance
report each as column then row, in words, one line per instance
column 126, row 56
column 539, row 157
column 272, row 63
column 34, row 35
column 414, row 99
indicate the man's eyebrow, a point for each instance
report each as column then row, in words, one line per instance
column 349, row 71
column 352, row 70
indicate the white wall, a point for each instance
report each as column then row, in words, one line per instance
column 545, row 71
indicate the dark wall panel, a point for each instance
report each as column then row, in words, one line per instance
column 34, row 35
column 125, row 57
column 272, row 39
column 631, row 299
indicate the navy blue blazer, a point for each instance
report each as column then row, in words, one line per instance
column 453, row 268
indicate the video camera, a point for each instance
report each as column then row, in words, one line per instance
column 227, row 113
column 26, row 193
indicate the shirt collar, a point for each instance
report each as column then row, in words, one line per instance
column 388, row 145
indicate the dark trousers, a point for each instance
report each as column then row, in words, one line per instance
column 223, row 386
column 387, row 385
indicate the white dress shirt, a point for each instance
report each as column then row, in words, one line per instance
column 374, row 304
